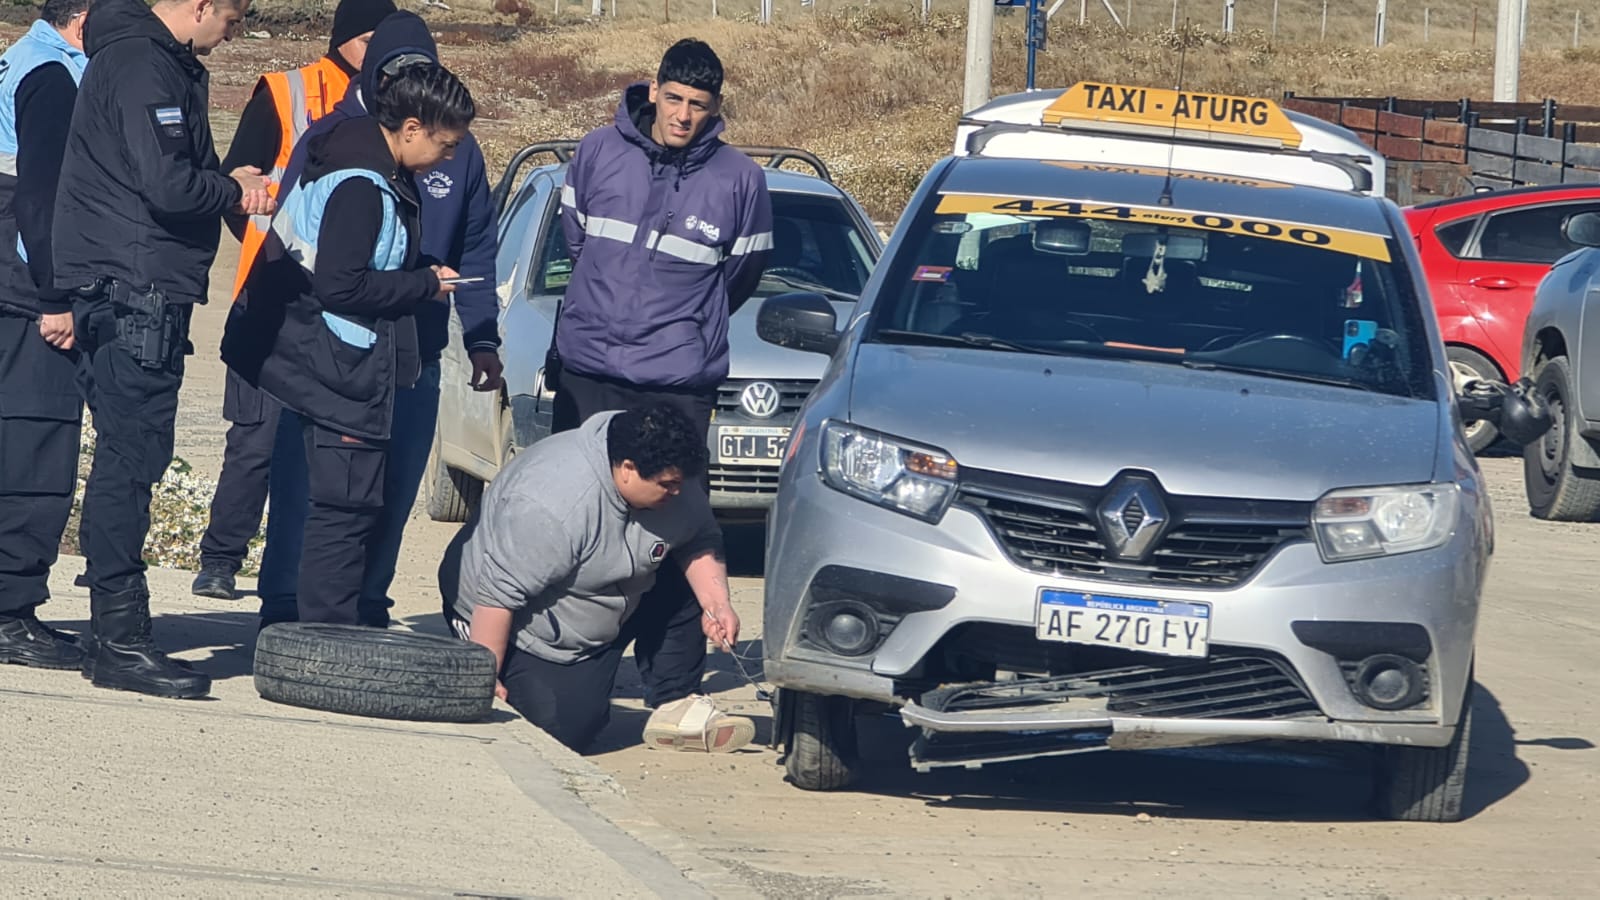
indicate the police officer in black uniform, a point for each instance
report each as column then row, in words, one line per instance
column 40, row 409
column 137, row 220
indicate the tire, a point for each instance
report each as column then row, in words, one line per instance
column 374, row 672
column 821, row 743
column 1557, row 491
column 1426, row 784
column 1465, row 365
column 447, row 494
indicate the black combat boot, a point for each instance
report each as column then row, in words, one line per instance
column 125, row 657
column 215, row 581
column 26, row 641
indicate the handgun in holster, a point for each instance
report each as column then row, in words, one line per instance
column 149, row 328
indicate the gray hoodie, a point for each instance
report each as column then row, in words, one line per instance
column 554, row 542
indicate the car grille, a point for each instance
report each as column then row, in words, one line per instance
column 744, row 479
column 791, row 395
column 1223, row 686
column 1050, row 528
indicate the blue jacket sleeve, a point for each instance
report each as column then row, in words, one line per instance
column 752, row 245
column 477, row 304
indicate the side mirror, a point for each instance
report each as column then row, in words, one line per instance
column 801, row 320
column 1583, row 228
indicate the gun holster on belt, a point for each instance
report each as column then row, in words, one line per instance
column 150, row 329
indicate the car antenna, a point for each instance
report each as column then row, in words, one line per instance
column 1172, row 146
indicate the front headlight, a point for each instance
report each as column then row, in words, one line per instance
column 880, row 469
column 1360, row 523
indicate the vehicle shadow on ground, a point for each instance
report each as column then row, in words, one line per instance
column 1265, row 781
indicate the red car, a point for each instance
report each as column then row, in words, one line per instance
column 1483, row 255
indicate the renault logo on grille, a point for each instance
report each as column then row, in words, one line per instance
column 1133, row 517
column 760, row 399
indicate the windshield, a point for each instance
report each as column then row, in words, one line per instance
column 1270, row 298
column 815, row 246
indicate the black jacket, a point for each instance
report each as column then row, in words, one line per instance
column 26, row 200
column 141, row 196
column 306, row 367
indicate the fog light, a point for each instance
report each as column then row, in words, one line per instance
column 848, row 629
column 1388, row 681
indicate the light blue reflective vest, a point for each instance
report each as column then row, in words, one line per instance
column 298, row 223
column 42, row 44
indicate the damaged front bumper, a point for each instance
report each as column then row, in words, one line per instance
column 1136, row 708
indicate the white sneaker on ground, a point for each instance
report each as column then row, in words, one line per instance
column 695, row 723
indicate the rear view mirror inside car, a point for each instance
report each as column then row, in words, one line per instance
column 1065, row 238
column 1179, row 246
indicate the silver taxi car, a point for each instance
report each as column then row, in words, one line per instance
column 1123, row 457
column 822, row 241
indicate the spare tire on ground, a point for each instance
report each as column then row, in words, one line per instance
column 374, row 672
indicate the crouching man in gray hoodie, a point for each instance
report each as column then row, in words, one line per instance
column 549, row 573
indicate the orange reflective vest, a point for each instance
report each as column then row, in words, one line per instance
column 300, row 96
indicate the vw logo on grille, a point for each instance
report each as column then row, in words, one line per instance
column 1133, row 517
column 760, row 399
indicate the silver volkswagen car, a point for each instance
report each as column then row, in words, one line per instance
column 823, row 241
column 1119, row 457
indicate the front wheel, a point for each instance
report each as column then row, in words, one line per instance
column 1426, row 784
column 1556, row 490
column 447, row 493
column 820, row 752
column 1470, row 365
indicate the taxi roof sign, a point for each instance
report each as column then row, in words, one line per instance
column 1192, row 114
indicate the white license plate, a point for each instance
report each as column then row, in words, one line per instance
column 1153, row 626
column 750, row 445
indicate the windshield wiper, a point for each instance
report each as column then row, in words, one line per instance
column 1286, row 374
column 964, row 339
column 811, row 286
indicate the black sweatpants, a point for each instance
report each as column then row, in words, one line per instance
column 41, row 413
column 344, row 480
column 135, row 409
column 572, row 701
column 242, row 487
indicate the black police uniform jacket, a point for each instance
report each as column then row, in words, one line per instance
column 283, row 343
column 141, row 196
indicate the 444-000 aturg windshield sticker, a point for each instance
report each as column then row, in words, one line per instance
column 1338, row 240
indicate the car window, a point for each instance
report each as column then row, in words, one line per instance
column 1279, row 299
column 514, row 224
column 815, row 241
column 1531, row 235
column 555, row 262
column 1453, row 235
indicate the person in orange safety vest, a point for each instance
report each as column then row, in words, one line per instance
column 280, row 110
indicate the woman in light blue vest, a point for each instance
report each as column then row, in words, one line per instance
column 343, row 269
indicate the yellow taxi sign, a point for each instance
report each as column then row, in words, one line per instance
column 1336, row 240
column 1158, row 110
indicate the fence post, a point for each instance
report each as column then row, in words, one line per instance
column 1548, row 126
column 1427, row 15
column 1324, row 20
column 1379, row 22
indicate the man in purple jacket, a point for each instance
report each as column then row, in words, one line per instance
column 669, row 230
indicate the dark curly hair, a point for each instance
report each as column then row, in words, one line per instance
column 656, row 438
column 60, row 12
column 427, row 92
column 692, row 63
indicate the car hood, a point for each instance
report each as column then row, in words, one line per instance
column 751, row 357
column 1084, row 420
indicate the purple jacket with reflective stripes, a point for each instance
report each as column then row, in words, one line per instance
column 665, row 245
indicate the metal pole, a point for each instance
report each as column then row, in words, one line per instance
column 1522, row 27
column 1175, row 16
column 1083, row 12
column 1577, row 24
column 1274, row 18
column 598, row 8
column 1427, row 13
column 1033, row 13
column 1507, row 52
column 980, row 53
column 1378, row 25
column 1324, row 19
column 1227, row 16
column 713, row 9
